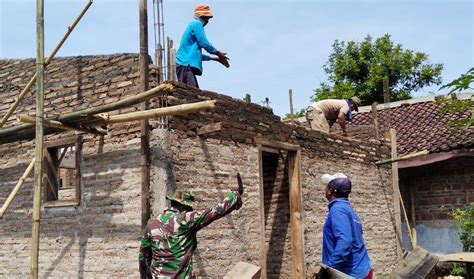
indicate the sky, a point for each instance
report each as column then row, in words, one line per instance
column 274, row 45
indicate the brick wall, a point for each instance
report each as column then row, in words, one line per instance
column 447, row 183
column 100, row 238
column 211, row 161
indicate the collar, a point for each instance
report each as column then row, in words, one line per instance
column 199, row 19
column 344, row 200
column 169, row 208
column 349, row 113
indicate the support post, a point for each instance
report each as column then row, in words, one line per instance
column 396, row 193
column 290, row 93
column 144, row 127
column 413, row 216
column 46, row 63
column 39, row 137
column 386, row 100
column 376, row 121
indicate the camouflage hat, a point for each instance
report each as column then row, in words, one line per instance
column 184, row 197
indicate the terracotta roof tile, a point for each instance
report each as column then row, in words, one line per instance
column 421, row 126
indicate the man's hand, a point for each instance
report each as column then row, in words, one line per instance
column 240, row 186
column 222, row 58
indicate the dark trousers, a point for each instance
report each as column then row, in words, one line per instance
column 185, row 75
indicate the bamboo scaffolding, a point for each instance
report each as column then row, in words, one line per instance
column 154, row 113
column 46, row 63
column 17, row 188
column 12, row 134
column 403, row 158
column 35, row 235
column 56, row 124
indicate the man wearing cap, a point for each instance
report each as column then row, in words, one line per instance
column 343, row 242
column 189, row 57
column 169, row 241
column 323, row 114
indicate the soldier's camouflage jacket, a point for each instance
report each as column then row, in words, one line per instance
column 167, row 247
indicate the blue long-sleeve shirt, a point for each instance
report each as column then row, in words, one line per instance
column 191, row 45
column 343, row 243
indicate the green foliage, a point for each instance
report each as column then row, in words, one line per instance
column 458, row 270
column 456, row 106
column 357, row 69
column 295, row 115
column 465, row 218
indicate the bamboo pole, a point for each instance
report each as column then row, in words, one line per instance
column 46, row 63
column 39, row 137
column 56, row 124
column 17, row 188
column 403, row 158
column 132, row 100
column 406, row 219
column 413, row 216
column 153, row 113
column 396, row 192
column 290, row 93
column 144, row 127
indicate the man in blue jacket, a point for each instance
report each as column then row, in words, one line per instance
column 343, row 243
column 189, row 57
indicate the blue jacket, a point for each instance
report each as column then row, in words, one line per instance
column 343, row 243
column 190, row 49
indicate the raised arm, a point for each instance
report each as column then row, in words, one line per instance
column 202, row 218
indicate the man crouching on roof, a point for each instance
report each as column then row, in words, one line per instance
column 169, row 241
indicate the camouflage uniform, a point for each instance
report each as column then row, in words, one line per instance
column 167, row 247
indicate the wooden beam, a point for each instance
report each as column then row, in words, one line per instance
column 78, row 159
column 48, row 60
column 144, row 127
column 154, row 113
column 263, row 246
column 35, row 235
column 413, row 216
column 60, row 143
column 296, row 214
column 403, row 158
column 56, row 124
column 396, row 193
column 406, row 219
column 209, row 128
column 376, row 121
column 276, row 144
column 17, row 188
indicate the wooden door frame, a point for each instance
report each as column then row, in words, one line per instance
column 295, row 200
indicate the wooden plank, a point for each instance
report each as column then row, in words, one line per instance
column 17, row 188
column 78, row 159
column 62, row 203
column 403, row 158
column 270, row 150
column 243, row 270
column 263, row 247
column 413, row 216
column 417, row 264
column 59, row 125
column 276, row 144
column 376, row 121
column 209, row 128
column 396, row 193
column 52, row 175
column 61, row 143
column 296, row 214
column 465, row 257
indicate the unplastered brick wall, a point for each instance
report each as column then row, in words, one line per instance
column 448, row 184
column 207, row 163
column 99, row 238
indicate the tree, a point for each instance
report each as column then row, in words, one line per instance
column 357, row 69
column 456, row 106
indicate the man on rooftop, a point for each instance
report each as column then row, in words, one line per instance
column 323, row 114
column 189, row 57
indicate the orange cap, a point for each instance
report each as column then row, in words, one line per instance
column 202, row 10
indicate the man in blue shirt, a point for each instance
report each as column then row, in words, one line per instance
column 189, row 57
column 343, row 243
